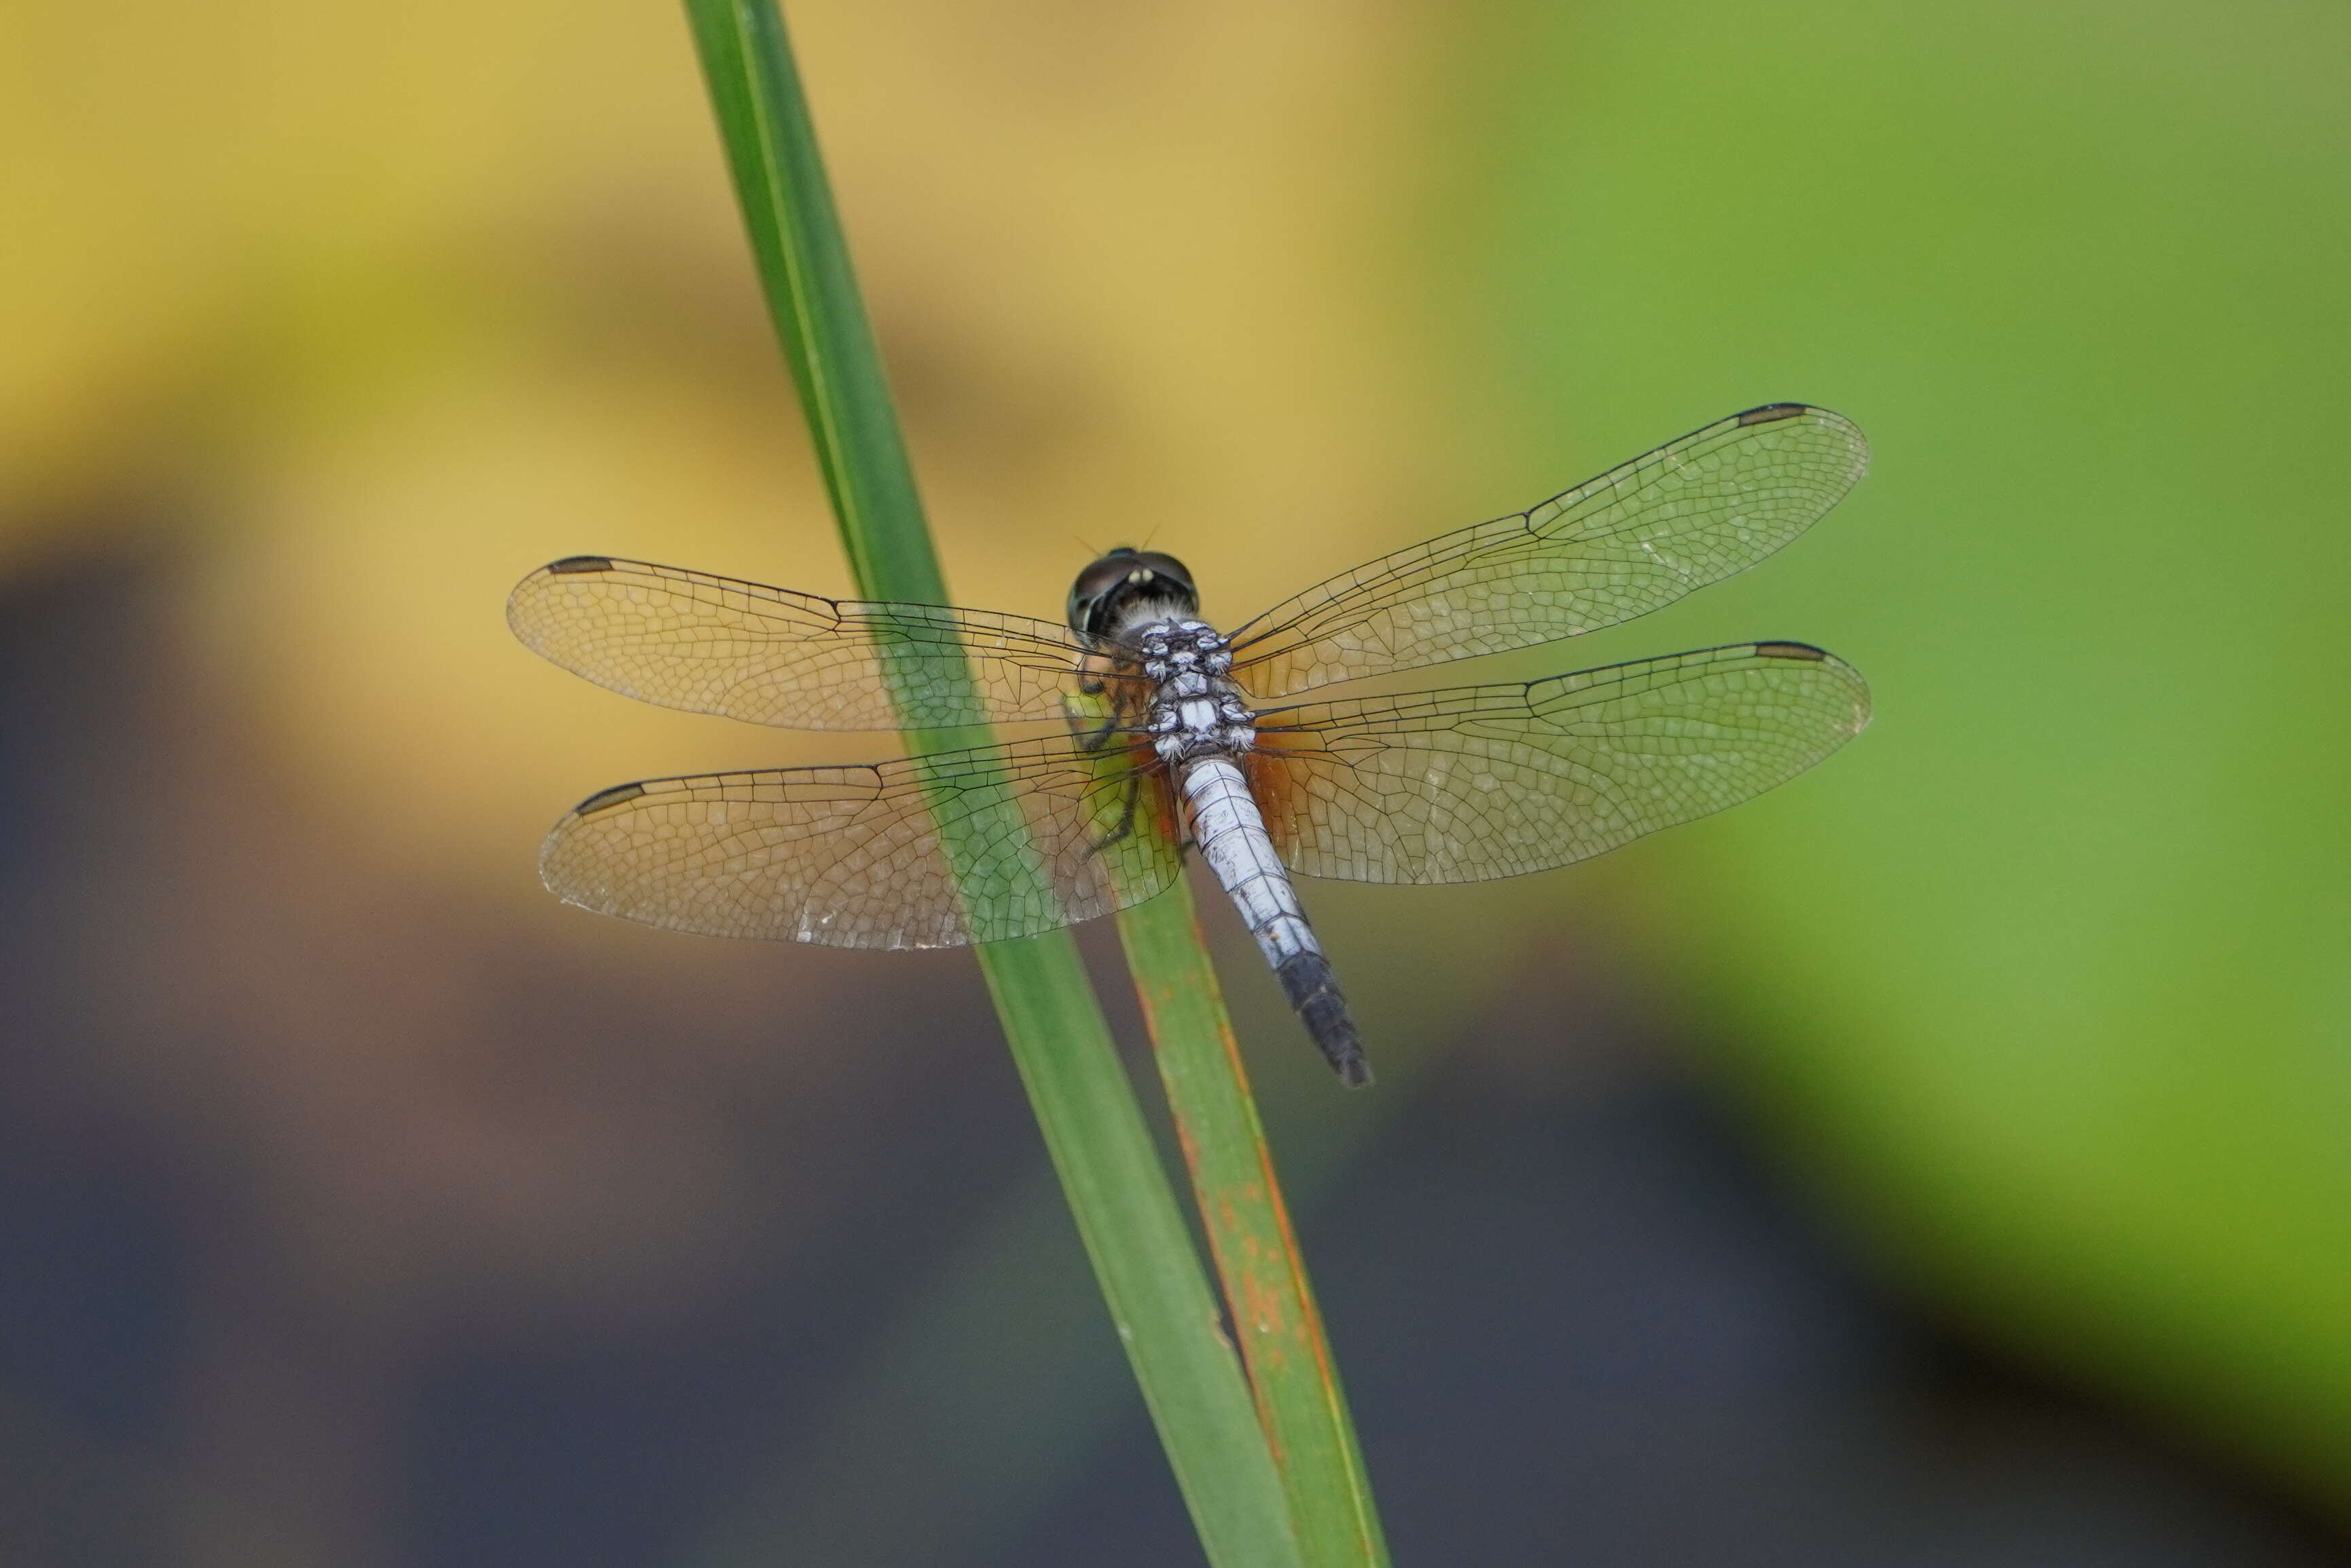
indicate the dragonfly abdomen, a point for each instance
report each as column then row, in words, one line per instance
column 1199, row 725
column 1231, row 835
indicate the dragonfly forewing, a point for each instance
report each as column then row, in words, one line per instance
column 771, row 656
column 1637, row 538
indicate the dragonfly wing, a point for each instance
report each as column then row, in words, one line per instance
column 1493, row 781
column 713, row 644
column 924, row 853
column 1638, row 537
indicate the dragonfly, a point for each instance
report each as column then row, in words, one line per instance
column 1170, row 737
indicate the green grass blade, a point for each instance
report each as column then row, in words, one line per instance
column 1299, row 1402
column 813, row 300
column 1133, row 1233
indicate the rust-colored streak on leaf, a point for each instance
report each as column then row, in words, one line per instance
column 1186, row 1143
column 1268, row 1310
column 1251, row 1236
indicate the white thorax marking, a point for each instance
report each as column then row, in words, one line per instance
column 1196, row 711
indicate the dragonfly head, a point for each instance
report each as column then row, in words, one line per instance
column 1129, row 585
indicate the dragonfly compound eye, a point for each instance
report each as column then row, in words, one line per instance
column 1128, row 587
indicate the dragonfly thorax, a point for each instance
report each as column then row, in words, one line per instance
column 1196, row 711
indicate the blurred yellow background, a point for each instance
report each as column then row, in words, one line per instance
column 320, row 326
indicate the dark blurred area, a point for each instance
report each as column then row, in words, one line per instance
column 349, row 1220
column 1939, row 1163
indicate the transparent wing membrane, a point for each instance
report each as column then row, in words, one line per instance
column 860, row 857
column 1492, row 781
column 1010, row 841
column 1636, row 539
column 713, row 644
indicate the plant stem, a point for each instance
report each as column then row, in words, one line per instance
column 1299, row 1402
column 1133, row 1233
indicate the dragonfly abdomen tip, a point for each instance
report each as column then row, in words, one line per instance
column 1313, row 990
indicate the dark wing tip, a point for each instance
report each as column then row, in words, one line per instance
column 1771, row 413
column 575, row 564
column 605, row 799
column 1805, row 653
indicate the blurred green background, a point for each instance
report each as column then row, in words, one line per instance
column 2048, row 979
column 345, row 1170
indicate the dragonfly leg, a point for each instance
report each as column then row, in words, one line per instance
column 1125, row 828
column 1090, row 737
